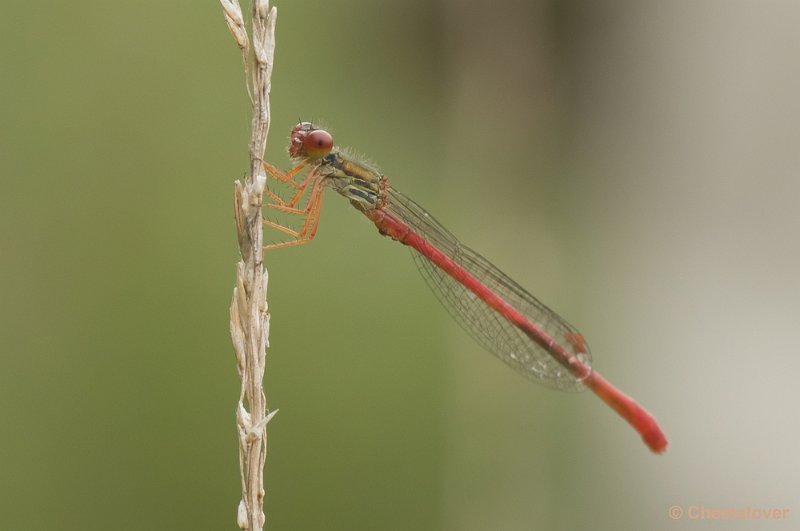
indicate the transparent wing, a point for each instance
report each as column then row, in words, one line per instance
column 484, row 324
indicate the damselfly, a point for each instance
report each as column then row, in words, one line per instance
column 501, row 315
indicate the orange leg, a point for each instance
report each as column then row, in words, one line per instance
column 288, row 178
column 284, row 208
column 311, row 212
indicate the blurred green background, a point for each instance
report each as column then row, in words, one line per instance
column 634, row 164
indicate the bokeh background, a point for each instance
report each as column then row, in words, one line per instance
column 634, row 164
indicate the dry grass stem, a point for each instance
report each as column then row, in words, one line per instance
column 249, row 313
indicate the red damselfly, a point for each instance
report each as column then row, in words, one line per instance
column 500, row 314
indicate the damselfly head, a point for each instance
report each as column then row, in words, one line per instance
column 309, row 142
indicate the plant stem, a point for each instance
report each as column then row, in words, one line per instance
column 249, row 312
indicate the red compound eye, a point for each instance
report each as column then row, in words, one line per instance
column 317, row 144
